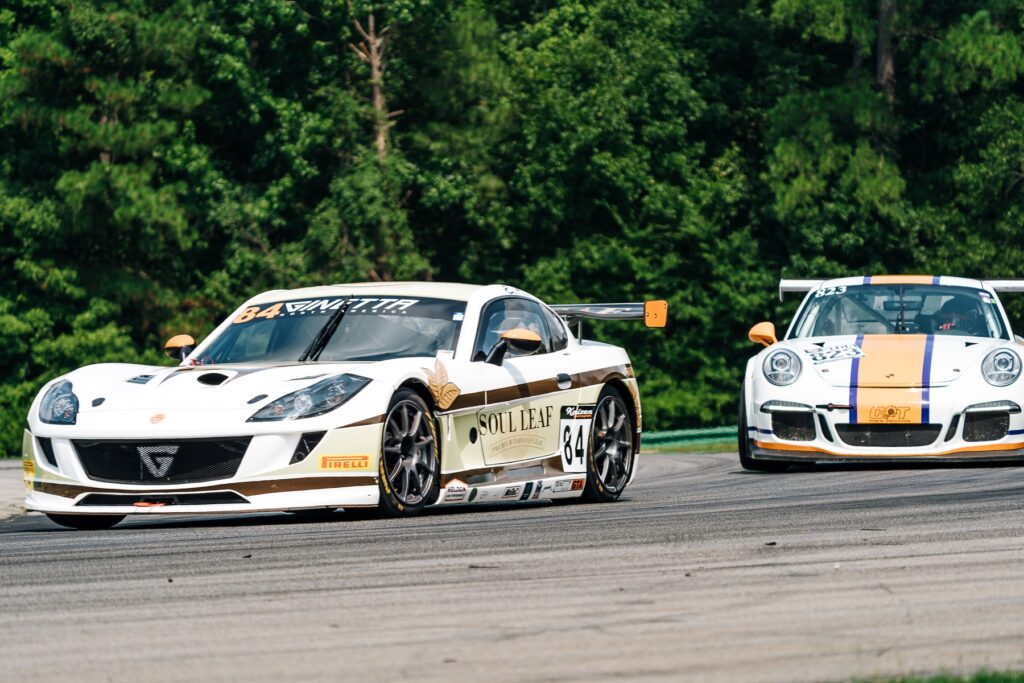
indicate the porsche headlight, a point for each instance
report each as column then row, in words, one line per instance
column 782, row 367
column 59, row 405
column 1001, row 367
column 322, row 397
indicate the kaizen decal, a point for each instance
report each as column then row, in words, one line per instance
column 323, row 306
column 512, row 492
column 830, row 354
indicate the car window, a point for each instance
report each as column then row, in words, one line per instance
column 559, row 337
column 900, row 309
column 508, row 314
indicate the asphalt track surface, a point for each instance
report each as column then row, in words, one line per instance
column 701, row 572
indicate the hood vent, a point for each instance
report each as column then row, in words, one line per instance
column 213, row 379
column 140, row 379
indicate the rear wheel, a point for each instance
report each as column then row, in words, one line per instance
column 409, row 472
column 747, row 462
column 612, row 456
column 85, row 522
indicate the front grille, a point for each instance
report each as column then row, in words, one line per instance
column 149, row 500
column 793, row 426
column 888, row 436
column 168, row 462
column 986, row 426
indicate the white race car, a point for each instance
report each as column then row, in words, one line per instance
column 397, row 396
column 886, row 368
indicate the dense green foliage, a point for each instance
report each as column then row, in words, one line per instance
column 161, row 161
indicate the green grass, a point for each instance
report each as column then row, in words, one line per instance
column 980, row 677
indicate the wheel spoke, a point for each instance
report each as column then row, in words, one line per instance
column 392, row 449
column 405, row 485
column 618, row 423
column 603, row 471
column 414, row 427
column 392, row 477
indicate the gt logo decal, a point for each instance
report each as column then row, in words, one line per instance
column 889, row 414
column 344, row 462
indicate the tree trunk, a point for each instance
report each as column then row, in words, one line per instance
column 885, row 64
column 371, row 51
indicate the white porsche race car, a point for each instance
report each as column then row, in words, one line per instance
column 886, row 368
column 397, row 396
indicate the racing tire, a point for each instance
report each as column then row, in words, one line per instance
column 747, row 462
column 409, row 469
column 86, row 522
column 612, row 454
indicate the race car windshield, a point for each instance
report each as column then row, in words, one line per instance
column 373, row 328
column 900, row 309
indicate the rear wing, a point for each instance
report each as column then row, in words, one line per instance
column 653, row 313
column 786, row 286
column 1012, row 286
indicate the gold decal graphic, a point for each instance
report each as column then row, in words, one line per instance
column 443, row 391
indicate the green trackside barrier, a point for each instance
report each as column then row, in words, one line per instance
column 689, row 437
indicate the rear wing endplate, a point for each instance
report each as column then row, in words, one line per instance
column 797, row 286
column 1013, row 286
column 653, row 313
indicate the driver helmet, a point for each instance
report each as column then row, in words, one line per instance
column 959, row 314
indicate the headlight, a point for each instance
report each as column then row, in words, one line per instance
column 1001, row 367
column 782, row 367
column 59, row 405
column 322, row 397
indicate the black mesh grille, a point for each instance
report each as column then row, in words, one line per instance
column 46, row 446
column 149, row 500
column 793, row 426
column 888, row 436
column 985, row 426
column 177, row 462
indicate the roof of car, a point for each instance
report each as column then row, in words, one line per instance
column 433, row 290
column 904, row 280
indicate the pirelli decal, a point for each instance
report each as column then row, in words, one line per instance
column 890, row 383
column 345, row 463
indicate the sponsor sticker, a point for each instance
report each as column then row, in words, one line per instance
column 574, row 434
column 472, row 495
column 344, row 463
column 323, row 306
column 562, row 485
column 512, row 492
column 830, row 291
column 526, row 491
column 887, row 414
column 455, row 491
column 577, row 484
column 537, row 489
column 830, row 354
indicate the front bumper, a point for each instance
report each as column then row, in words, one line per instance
column 340, row 471
column 825, row 432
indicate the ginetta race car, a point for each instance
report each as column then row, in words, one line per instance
column 886, row 368
column 397, row 396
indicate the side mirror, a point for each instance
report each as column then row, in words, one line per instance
column 179, row 346
column 763, row 333
column 524, row 342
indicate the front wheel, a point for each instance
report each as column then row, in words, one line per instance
column 612, row 456
column 409, row 472
column 86, row 522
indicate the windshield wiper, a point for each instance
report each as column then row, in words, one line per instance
column 319, row 343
